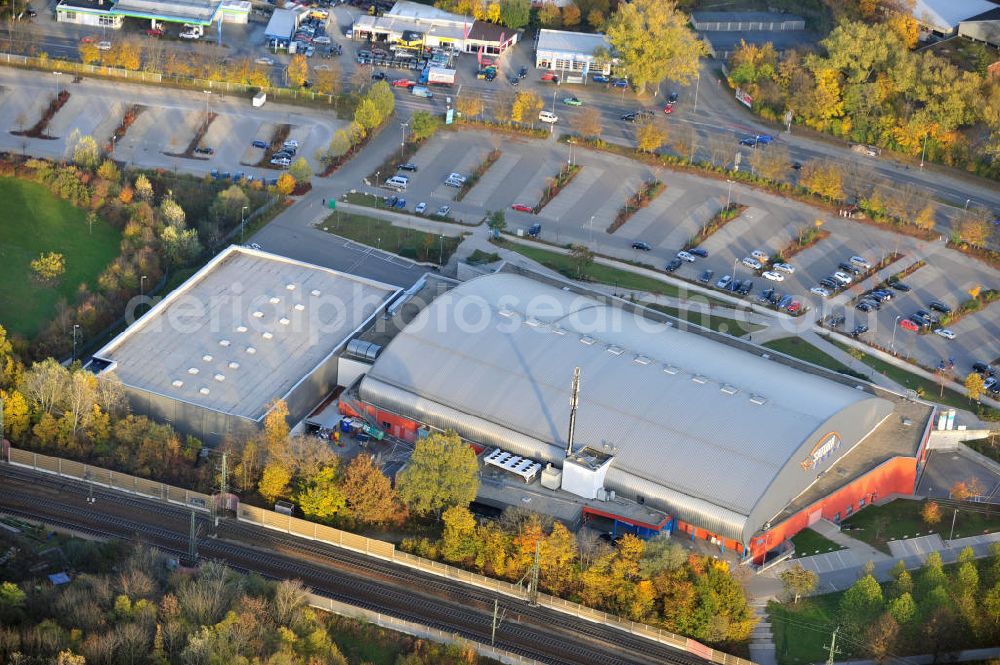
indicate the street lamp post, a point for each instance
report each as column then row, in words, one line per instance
column 243, row 223
column 923, row 153
column 76, row 326
column 402, row 146
column 892, row 342
column 592, row 230
column 729, row 196
column 697, row 85
column 142, row 286
column 57, row 75
column 441, row 251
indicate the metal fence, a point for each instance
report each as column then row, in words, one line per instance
column 68, row 66
column 110, row 479
column 416, row 629
column 368, row 546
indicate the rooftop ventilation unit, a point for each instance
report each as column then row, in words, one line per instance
column 615, row 350
column 207, row 358
column 204, row 391
column 257, row 315
column 242, row 328
column 641, row 360
column 177, row 383
column 758, row 399
column 283, row 321
column 728, row 389
column 532, row 321
column 234, row 365
column 267, row 335
column 556, row 330
column 587, row 339
column 299, row 307
column 363, row 350
column 220, row 377
column 290, row 287
column 505, row 313
column 274, row 300
column 251, row 350
column 671, row 369
column 698, row 378
column 224, row 342
column 314, row 292
column 192, row 370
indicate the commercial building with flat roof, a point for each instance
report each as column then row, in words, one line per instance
column 248, row 329
column 109, row 13
column 429, row 27
column 572, row 52
column 721, row 434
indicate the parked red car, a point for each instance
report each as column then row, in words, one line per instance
column 549, row 76
column 794, row 306
column 520, row 207
column 403, row 83
column 669, row 108
column 154, row 32
column 909, row 325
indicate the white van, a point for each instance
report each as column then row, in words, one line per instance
column 397, row 182
column 548, row 116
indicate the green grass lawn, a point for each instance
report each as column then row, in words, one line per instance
column 930, row 389
column 708, row 320
column 803, row 350
column 801, row 631
column 33, row 221
column 411, row 243
column 877, row 525
column 623, row 279
column 807, row 543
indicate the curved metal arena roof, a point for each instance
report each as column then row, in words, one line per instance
column 710, row 432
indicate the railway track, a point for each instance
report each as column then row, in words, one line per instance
column 346, row 576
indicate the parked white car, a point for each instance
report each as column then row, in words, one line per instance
column 760, row 255
column 265, row 61
column 820, row 291
column 784, row 267
column 684, row 256
column 421, row 207
column 548, row 116
column 843, row 277
column 104, row 46
column 189, row 35
column 861, row 262
column 773, row 276
column 753, row 264
column 944, row 332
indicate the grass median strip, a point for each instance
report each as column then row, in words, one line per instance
column 409, row 243
column 708, row 320
column 808, row 543
column 803, row 350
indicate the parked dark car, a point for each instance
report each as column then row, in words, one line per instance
column 260, row 144
column 900, row 286
column 674, row 265
column 859, row 330
column 698, row 251
column 746, row 287
column 939, row 306
column 640, row 245
column 409, row 166
column 706, row 276
column 204, row 150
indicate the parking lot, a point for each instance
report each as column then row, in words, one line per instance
column 164, row 128
column 582, row 211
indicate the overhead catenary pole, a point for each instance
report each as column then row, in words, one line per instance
column 193, row 541
column 833, row 646
column 535, row 567
column 574, row 402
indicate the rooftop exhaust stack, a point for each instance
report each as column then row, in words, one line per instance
column 574, row 401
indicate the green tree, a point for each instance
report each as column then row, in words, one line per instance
column 49, row 265
column 319, row 496
column 385, row 101
column 496, row 222
column 143, row 188
column 369, row 496
column 286, row 184
column 662, row 553
column 180, row 246
column 559, row 554
column 297, row 70
column 172, row 212
column 798, row 581
column 442, row 472
column 930, row 513
column 881, row 637
column 339, row 146
column 931, row 575
column 367, row 114
column 571, row 16
column 527, row 105
column 108, row 171
column 274, row 481
column 86, row 152
column 515, row 13
column 229, row 204
column 550, row 16
column 16, row 414
column 300, row 170
column 653, row 40
column 582, row 258
column 903, row 609
column 424, row 125
column 458, row 542
column 861, row 604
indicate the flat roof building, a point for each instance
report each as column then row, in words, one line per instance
column 943, row 17
column 248, row 329
column 109, row 13
column 715, row 431
column 572, row 52
column 433, row 28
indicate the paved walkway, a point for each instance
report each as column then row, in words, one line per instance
column 762, row 650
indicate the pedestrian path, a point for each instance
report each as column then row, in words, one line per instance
column 855, row 553
column 762, row 649
column 921, row 545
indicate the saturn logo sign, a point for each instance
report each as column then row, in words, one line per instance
column 829, row 443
